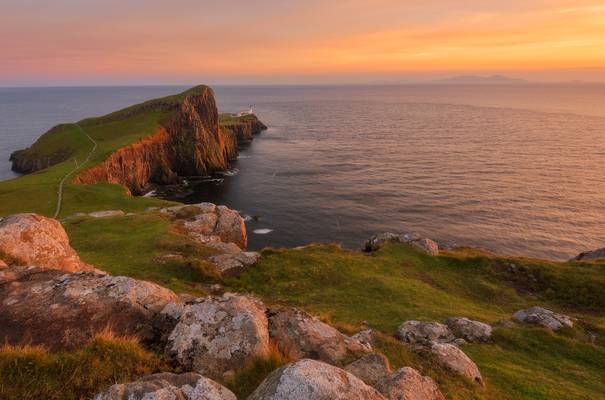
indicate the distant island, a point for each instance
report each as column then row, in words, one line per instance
column 479, row 80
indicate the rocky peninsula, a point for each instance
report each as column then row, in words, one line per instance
column 128, row 297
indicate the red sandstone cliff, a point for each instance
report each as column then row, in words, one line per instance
column 190, row 142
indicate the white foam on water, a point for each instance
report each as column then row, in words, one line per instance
column 263, row 231
column 150, row 194
column 231, row 172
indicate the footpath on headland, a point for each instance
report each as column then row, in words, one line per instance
column 77, row 167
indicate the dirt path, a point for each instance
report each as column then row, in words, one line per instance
column 70, row 173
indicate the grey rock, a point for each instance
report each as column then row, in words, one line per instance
column 543, row 317
column 591, row 255
column 218, row 335
column 408, row 384
column 469, row 330
column 313, row 380
column 367, row 337
column 424, row 333
column 232, row 264
column 301, row 335
column 426, row 245
column 107, row 214
column 168, row 386
column 454, row 359
column 370, row 368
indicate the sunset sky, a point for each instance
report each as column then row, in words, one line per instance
column 282, row 41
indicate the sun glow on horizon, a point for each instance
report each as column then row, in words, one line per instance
column 281, row 41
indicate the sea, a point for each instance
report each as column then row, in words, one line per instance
column 516, row 169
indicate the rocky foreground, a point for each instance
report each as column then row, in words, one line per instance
column 49, row 297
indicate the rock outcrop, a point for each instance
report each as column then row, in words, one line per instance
column 313, row 380
column 426, row 245
column 167, row 386
column 243, row 129
column 454, row 359
column 593, row 255
column 189, row 142
column 469, row 330
column 424, row 333
column 210, row 224
column 370, row 368
column 408, row 384
column 218, row 335
column 31, row 239
column 301, row 335
column 65, row 310
column 231, row 264
column 543, row 317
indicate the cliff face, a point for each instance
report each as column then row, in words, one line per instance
column 27, row 161
column 244, row 130
column 190, row 142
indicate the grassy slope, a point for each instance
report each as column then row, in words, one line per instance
column 397, row 284
column 37, row 192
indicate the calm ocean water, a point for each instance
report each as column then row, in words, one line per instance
column 516, row 169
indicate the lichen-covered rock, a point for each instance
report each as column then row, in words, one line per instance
column 301, row 335
column 231, row 264
column 168, row 386
column 218, row 335
column 408, row 384
column 370, row 368
column 424, row 333
column 65, row 310
column 231, row 227
column 593, row 255
column 313, row 380
column 424, row 244
column 543, row 317
column 469, row 330
column 367, row 337
column 454, row 359
column 31, row 239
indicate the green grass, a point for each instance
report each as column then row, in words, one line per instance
column 134, row 246
column 32, row 373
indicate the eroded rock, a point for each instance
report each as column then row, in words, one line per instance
column 218, row 335
column 301, row 335
column 168, row 386
column 107, row 214
column 469, row 330
column 231, row 264
column 370, row 368
column 65, row 310
column 543, row 317
column 454, row 359
column 593, row 255
column 313, row 380
column 426, row 245
column 408, row 384
column 424, row 333
column 31, row 239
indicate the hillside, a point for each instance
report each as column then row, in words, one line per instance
column 157, row 141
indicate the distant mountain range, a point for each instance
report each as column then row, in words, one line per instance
column 480, row 80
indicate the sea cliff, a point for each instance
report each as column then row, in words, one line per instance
column 188, row 141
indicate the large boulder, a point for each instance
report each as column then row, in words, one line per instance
column 370, row 368
column 31, row 239
column 543, row 317
column 231, row 264
column 216, row 336
column 469, row 330
column 426, row 245
column 167, row 386
column 210, row 224
column 454, row 359
column 313, row 380
column 408, row 384
column 424, row 333
column 593, row 255
column 301, row 335
column 61, row 310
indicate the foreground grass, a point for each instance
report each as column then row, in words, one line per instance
column 33, row 373
column 137, row 246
